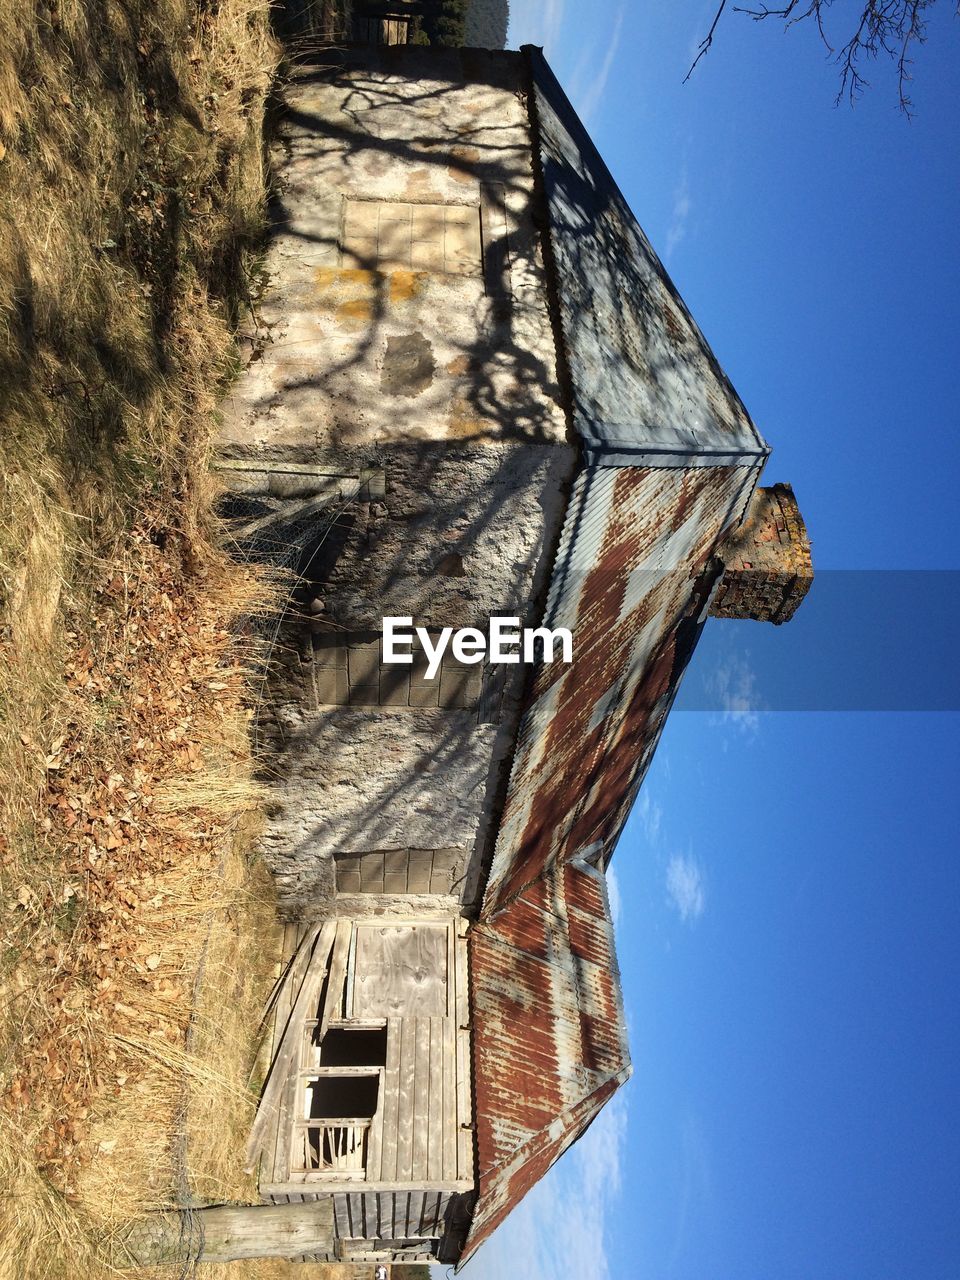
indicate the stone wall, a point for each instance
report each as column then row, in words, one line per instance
column 405, row 336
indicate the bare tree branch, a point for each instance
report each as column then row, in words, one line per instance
column 707, row 41
column 886, row 28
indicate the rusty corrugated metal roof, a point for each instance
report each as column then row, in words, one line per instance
column 630, row 581
column 633, row 579
column 671, row 461
column 551, row 1045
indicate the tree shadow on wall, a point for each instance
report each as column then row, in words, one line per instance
column 447, row 502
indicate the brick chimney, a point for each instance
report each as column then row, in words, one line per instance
column 768, row 563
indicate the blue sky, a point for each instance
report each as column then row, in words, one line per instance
column 790, row 918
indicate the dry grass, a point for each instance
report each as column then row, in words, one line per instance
column 138, row 937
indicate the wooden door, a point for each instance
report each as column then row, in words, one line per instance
column 400, row 971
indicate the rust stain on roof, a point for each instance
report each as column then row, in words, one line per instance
column 633, row 574
column 633, row 581
column 551, row 1047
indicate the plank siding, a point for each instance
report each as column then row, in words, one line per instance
column 449, row 1121
column 391, row 1099
column 401, row 971
column 280, row 1095
column 375, row 1136
column 333, row 1004
column 419, row 1154
column 423, row 1072
column 400, row 1204
column 433, row 1033
column 341, row 1217
column 464, row 1095
column 407, row 1102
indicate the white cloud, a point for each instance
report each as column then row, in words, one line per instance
column 734, row 685
column 587, row 102
column 650, row 814
column 679, row 217
column 613, row 893
column 560, row 1229
column 685, row 887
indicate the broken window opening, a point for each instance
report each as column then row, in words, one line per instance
column 351, row 1047
column 339, row 1148
column 333, row 1097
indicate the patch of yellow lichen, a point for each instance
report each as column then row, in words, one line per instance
column 352, row 292
column 330, row 277
column 406, row 285
column 464, row 423
column 355, row 313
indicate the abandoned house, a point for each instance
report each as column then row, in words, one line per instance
column 474, row 392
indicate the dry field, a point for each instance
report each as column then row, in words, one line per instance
column 138, row 937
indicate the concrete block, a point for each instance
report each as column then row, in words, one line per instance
column 427, row 223
column 371, row 873
column 459, row 687
column 348, row 881
column 461, row 215
column 462, row 249
column 330, row 650
column 394, row 686
column 364, row 666
column 360, row 252
column 425, row 695
column 348, row 863
column 441, row 879
column 446, row 859
column 331, row 686
column 361, row 218
column 427, row 255
column 365, row 695
column 418, row 669
column 418, row 874
column 395, row 211
column 393, row 245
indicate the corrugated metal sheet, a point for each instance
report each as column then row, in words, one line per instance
column 551, row 1045
column 672, row 459
column 644, row 379
column 631, row 580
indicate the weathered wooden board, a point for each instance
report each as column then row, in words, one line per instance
column 283, row 1076
column 313, row 1190
column 307, row 970
column 464, row 1095
column 341, row 1216
column 401, row 1202
column 449, row 1121
column 391, row 1099
column 406, row 1099
column 227, row 1234
column 433, row 1031
column 333, row 1002
column 401, row 971
column 375, row 1136
column 423, row 1071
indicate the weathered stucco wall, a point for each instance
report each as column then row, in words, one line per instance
column 367, row 346
column 405, row 333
